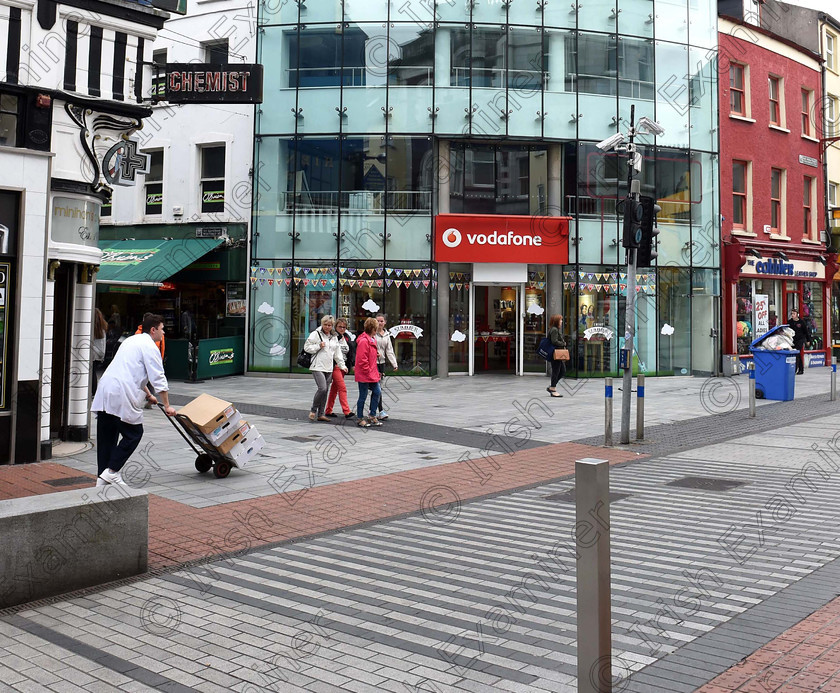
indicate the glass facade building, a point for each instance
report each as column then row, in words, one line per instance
column 379, row 115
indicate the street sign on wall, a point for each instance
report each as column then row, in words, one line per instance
column 209, row 83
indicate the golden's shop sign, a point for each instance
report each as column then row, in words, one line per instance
column 220, row 357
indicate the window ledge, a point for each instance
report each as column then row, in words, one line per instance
column 779, row 128
column 734, row 116
column 811, row 241
column 779, row 237
column 810, row 139
column 742, row 232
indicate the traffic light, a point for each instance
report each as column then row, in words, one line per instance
column 632, row 236
column 647, row 246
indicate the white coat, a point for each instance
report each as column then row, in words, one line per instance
column 324, row 358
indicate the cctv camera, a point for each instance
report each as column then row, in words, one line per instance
column 651, row 126
column 610, row 142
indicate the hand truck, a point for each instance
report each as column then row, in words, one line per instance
column 208, row 456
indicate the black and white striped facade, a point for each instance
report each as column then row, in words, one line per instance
column 76, row 72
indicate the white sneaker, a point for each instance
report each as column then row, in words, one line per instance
column 382, row 415
column 100, row 481
column 111, row 477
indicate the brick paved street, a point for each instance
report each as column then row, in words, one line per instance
column 407, row 565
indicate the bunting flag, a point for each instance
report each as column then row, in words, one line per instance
column 389, row 271
column 254, row 269
column 451, row 286
column 379, row 282
column 306, row 282
column 388, row 282
column 262, row 270
column 253, row 280
column 288, row 282
column 458, row 285
column 398, row 272
column 323, row 282
column 622, row 275
column 342, row 270
column 352, row 271
column 288, row 271
column 297, row 281
column 271, row 282
column 296, row 269
column 262, row 282
column 434, row 283
column 332, row 282
column 426, row 283
column 342, row 281
column 425, row 271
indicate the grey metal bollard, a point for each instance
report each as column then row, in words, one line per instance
column 608, row 411
column 592, row 542
column 751, row 369
column 833, row 378
column 640, row 407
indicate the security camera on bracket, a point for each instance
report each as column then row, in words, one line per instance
column 612, row 142
column 651, row 126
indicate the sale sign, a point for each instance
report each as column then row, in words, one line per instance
column 492, row 238
column 762, row 314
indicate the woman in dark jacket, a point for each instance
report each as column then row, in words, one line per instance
column 558, row 368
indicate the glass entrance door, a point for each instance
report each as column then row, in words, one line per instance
column 496, row 329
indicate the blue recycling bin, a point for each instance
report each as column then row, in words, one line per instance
column 775, row 371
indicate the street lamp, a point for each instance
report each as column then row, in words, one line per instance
column 617, row 143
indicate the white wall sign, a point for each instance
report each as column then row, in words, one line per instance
column 75, row 221
column 416, row 331
column 808, row 161
column 606, row 332
column 761, row 305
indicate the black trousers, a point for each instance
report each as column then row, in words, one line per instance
column 111, row 454
column 800, row 365
column 558, row 370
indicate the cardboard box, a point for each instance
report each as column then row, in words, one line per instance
column 227, row 429
column 233, row 438
column 244, row 452
column 208, row 413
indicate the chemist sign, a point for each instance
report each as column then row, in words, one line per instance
column 209, row 83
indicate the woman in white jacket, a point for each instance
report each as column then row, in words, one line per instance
column 326, row 354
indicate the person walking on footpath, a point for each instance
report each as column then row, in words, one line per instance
column 558, row 367
column 367, row 374
column 385, row 352
column 326, row 353
column 338, row 387
column 801, row 336
column 119, row 399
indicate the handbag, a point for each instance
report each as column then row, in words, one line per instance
column 561, row 354
column 304, row 359
column 545, row 349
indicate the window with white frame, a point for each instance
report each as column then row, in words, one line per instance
column 807, row 108
column 216, row 52
column 738, row 91
column 830, row 51
column 212, row 178
column 831, row 116
column 809, row 205
column 777, row 103
column 833, row 194
column 777, row 201
column 740, row 195
column 154, row 184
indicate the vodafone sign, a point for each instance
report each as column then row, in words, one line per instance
column 492, row 238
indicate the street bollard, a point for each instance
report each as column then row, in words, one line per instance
column 640, row 407
column 833, row 378
column 751, row 369
column 592, row 540
column 608, row 411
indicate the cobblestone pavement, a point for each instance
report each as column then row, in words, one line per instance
column 479, row 595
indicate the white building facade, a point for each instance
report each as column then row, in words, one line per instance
column 70, row 91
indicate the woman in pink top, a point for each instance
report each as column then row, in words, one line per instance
column 367, row 374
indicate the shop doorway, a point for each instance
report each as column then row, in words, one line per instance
column 65, row 291
column 496, row 329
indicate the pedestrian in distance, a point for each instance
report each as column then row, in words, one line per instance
column 119, row 399
column 367, row 374
column 326, row 353
column 339, row 387
column 385, row 354
column 558, row 367
column 801, row 336
column 100, row 330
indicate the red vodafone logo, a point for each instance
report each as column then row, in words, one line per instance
column 451, row 238
column 491, row 238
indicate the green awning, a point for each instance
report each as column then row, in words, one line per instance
column 151, row 262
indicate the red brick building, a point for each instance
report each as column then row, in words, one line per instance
column 772, row 190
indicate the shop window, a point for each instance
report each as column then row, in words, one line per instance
column 536, row 318
column 212, row 179
column 740, row 194
column 674, row 173
column 738, row 89
column 407, row 300
column 811, row 311
column 777, row 187
column 216, row 52
column 460, row 278
column 809, row 189
column 807, row 107
column 270, row 344
column 775, row 86
column 154, row 184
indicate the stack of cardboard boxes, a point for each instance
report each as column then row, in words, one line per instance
column 220, row 425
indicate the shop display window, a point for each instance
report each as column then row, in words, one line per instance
column 460, row 277
column 536, row 318
column 744, row 316
column 811, row 311
column 407, row 301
